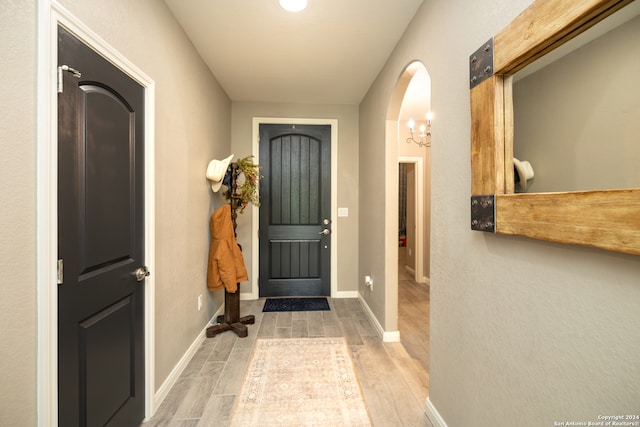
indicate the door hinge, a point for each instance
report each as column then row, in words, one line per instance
column 62, row 68
column 60, row 274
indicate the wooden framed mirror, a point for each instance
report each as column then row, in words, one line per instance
column 606, row 219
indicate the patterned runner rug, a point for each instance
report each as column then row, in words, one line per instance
column 300, row 382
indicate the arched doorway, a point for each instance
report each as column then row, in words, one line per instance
column 410, row 106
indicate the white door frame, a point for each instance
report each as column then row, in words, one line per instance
column 50, row 15
column 418, row 214
column 255, row 255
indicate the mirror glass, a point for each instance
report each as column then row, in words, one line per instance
column 577, row 110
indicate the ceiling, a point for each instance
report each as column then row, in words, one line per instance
column 328, row 54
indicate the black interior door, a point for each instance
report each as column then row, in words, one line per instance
column 295, row 210
column 101, row 241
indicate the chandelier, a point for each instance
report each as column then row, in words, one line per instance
column 424, row 135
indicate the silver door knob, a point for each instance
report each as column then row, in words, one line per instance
column 325, row 231
column 141, row 273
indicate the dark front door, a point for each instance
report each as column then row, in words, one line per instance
column 100, row 241
column 295, row 211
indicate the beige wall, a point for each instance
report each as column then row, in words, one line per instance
column 577, row 120
column 18, row 214
column 347, row 174
column 412, row 238
column 193, row 117
column 523, row 332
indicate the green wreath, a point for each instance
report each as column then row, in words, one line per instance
column 247, row 188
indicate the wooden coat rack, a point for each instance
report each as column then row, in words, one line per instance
column 231, row 320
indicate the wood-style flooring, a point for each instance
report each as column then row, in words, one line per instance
column 394, row 384
column 413, row 314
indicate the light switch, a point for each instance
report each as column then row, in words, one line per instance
column 343, row 212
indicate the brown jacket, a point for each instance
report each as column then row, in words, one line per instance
column 226, row 264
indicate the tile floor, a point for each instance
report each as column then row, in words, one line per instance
column 394, row 384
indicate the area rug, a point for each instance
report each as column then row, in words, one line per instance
column 300, row 382
column 296, row 304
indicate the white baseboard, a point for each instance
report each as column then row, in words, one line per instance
column 412, row 272
column 182, row 364
column 244, row 296
column 385, row 336
column 391, row 336
column 434, row 415
column 372, row 318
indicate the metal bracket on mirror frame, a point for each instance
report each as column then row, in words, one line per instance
column 481, row 64
column 483, row 213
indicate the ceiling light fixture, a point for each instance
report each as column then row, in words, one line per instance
column 293, row 5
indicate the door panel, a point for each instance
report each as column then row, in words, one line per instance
column 107, row 151
column 106, row 375
column 295, row 197
column 101, row 242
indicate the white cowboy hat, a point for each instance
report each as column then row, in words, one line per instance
column 525, row 172
column 216, row 171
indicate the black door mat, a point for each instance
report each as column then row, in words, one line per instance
column 296, row 304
